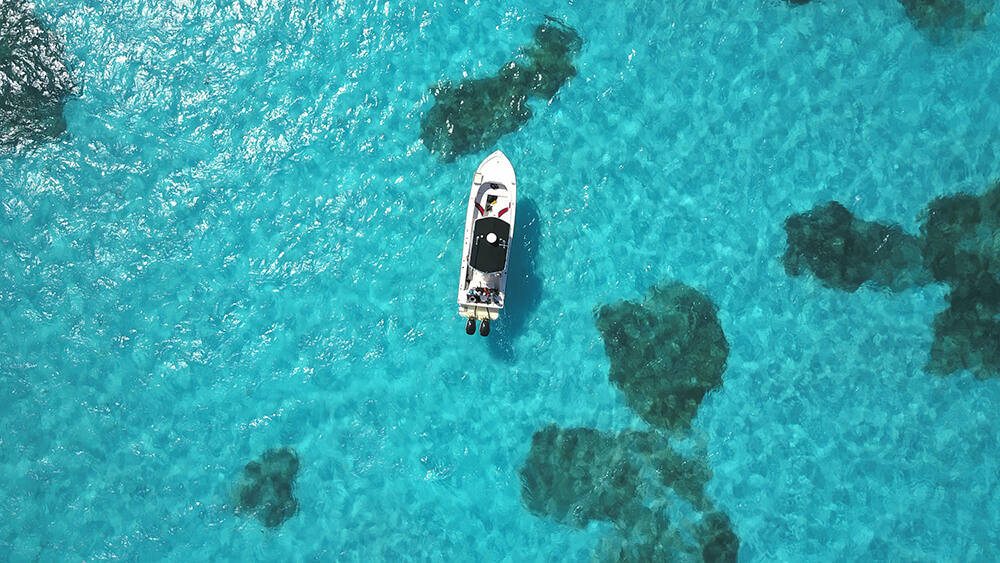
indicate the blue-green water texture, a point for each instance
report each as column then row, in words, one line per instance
column 241, row 243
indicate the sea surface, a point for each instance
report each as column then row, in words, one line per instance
column 241, row 243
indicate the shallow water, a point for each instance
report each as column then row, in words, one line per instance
column 241, row 243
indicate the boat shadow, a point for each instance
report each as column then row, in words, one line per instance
column 524, row 286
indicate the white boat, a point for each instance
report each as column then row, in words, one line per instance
column 489, row 227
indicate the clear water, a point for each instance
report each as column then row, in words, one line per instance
column 241, row 243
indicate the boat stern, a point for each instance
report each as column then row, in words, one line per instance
column 478, row 312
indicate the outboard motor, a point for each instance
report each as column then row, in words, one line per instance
column 484, row 328
column 470, row 327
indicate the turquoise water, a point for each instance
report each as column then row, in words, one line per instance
column 241, row 243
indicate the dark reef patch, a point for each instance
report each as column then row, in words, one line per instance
column 551, row 58
column 959, row 244
column 579, row 475
column 666, row 353
column 576, row 475
column 962, row 237
column 947, row 21
column 962, row 248
column 721, row 545
column 264, row 489
column 34, row 78
column 473, row 115
column 685, row 476
column 653, row 537
column 967, row 333
column 845, row 252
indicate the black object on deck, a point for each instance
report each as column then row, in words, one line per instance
column 489, row 257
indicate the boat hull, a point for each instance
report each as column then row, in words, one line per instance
column 489, row 229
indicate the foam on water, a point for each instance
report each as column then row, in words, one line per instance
column 241, row 243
